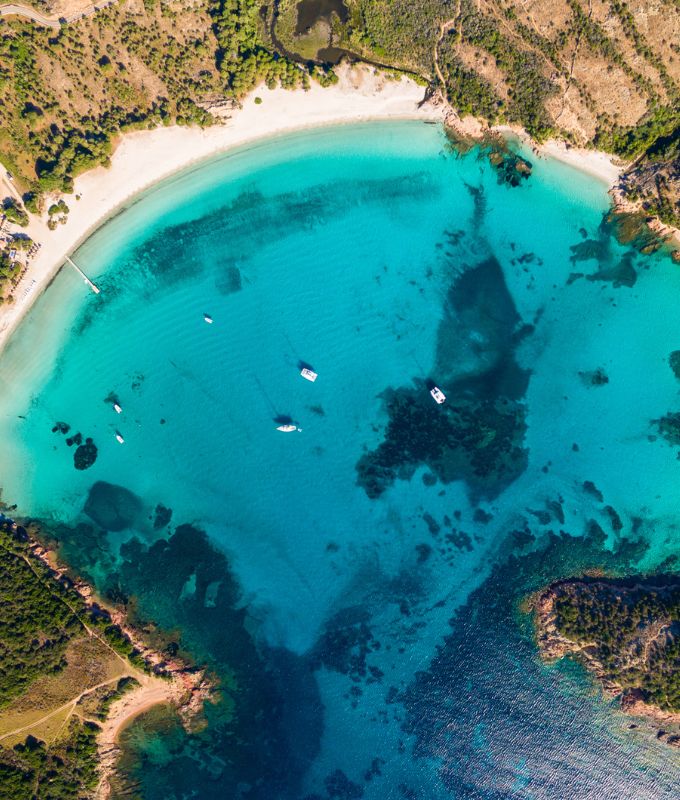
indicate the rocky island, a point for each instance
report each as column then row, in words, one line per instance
column 625, row 632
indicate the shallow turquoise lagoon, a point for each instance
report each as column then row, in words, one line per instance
column 355, row 584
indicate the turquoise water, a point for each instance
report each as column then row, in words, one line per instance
column 355, row 584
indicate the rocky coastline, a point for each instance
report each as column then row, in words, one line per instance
column 632, row 223
column 553, row 645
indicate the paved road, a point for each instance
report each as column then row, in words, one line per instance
column 12, row 10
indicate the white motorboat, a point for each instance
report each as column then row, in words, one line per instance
column 437, row 394
column 119, row 438
column 208, row 319
column 117, row 408
column 288, row 428
column 309, row 374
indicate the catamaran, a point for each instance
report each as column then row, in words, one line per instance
column 119, row 438
column 309, row 374
column 437, row 394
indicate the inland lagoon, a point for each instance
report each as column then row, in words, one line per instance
column 357, row 584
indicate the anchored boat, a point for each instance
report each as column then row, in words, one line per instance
column 288, row 428
column 437, row 394
column 117, row 408
column 119, row 438
column 309, row 374
column 208, row 319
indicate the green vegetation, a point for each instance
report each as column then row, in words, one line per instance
column 56, row 664
column 39, row 616
column 657, row 136
column 243, row 59
column 65, row 96
column 467, row 91
column 64, row 771
column 14, row 212
column 36, row 625
column 632, row 627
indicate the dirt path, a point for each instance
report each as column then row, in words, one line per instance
column 73, row 702
column 55, row 23
column 444, row 28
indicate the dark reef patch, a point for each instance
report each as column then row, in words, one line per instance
column 510, row 167
column 631, row 228
column 229, row 281
column 477, row 435
column 162, row 517
column 669, row 427
column 596, row 377
column 112, row 507
column 479, row 442
column 590, row 488
column 674, row 362
column 345, row 643
column 85, row 454
column 620, row 274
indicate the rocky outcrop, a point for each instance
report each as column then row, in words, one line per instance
column 553, row 645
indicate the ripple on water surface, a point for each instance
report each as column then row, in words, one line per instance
column 356, row 584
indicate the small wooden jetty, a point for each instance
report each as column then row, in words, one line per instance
column 92, row 286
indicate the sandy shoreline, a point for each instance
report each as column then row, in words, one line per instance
column 146, row 157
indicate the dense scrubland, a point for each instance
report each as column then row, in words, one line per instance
column 603, row 73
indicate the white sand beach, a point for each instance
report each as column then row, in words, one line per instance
column 146, row 157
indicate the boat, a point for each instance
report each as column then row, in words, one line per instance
column 288, row 428
column 117, row 408
column 208, row 319
column 437, row 394
column 309, row 374
column 119, row 438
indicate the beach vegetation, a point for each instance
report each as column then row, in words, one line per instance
column 14, row 212
column 57, row 208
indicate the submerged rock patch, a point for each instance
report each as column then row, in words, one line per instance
column 85, row 454
column 477, row 435
column 112, row 507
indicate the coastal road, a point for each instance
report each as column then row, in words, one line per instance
column 12, row 10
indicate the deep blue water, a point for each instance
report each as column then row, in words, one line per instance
column 356, row 585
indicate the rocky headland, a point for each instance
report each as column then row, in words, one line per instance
column 625, row 632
